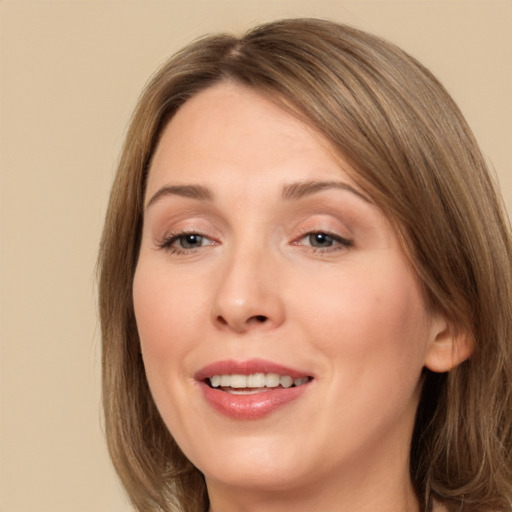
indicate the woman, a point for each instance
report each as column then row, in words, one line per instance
column 305, row 285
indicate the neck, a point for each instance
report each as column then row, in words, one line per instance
column 302, row 502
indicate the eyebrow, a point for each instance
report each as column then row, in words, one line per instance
column 291, row 191
column 190, row 191
column 295, row 191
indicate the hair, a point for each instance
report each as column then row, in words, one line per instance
column 411, row 150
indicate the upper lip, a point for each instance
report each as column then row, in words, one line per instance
column 247, row 367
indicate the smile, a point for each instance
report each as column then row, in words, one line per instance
column 250, row 390
column 254, row 382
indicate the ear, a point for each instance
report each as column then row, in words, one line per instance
column 448, row 347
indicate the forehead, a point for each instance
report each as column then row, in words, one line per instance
column 233, row 132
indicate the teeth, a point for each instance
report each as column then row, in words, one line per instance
column 286, row 381
column 272, row 380
column 238, row 381
column 256, row 380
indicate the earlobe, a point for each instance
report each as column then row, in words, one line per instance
column 448, row 348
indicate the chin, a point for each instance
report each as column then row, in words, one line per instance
column 256, row 477
column 254, row 464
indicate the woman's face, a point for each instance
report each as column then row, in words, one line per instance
column 282, row 330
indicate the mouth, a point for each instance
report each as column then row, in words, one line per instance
column 253, row 383
column 250, row 390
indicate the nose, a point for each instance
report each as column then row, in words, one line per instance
column 248, row 297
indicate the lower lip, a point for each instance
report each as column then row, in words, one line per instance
column 253, row 406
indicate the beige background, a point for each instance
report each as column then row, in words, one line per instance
column 70, row 75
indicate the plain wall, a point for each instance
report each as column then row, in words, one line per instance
column 71, row 72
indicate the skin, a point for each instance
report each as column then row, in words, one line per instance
column 350, row 314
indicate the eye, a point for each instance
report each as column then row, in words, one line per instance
column 320, row 240
column 190, row 241
column 185, row 242
column 323, row 240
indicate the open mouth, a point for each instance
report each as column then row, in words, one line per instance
column 254, row 382
column 251, row 389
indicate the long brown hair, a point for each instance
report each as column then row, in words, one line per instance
column 412, row 151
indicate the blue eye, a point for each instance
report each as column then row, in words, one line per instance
column 190, row 241
column 185, row 242
column 320, row 240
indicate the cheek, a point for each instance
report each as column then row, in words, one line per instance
column 166, row 313
column 369, row 315
column 165, row 309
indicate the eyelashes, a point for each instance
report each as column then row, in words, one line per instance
column 185, row 242
column 318, row 241
column 322, row 240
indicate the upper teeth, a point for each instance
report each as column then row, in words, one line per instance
column 256, row 380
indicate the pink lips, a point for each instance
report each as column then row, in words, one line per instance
column 250, row 406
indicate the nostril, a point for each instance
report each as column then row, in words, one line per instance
column 241, row 323
column 221, row 320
